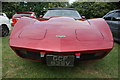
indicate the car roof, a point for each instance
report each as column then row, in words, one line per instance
column 114, row 10
column 61, row 9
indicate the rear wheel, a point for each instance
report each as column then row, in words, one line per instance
column 5, row 30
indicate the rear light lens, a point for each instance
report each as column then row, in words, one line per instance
column 42, row 54
column 77, row 55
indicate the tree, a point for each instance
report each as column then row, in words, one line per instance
column 94, row 9
column 10, row 8
column 88, row 9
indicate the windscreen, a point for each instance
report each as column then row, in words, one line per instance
column 69, row 13
column 22, row 15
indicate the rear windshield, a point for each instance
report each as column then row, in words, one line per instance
column 22, row 15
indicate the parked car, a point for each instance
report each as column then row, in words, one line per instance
column 113, row 20
column 61, row 38
column 18, row 15
column 5, row 25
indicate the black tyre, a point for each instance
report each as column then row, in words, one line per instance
column 5, row 30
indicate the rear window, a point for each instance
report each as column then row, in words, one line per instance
column 22, row 15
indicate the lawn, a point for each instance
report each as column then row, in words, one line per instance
column 0, row 58
column 16, row 67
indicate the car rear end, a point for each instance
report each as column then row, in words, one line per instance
column 18, row 15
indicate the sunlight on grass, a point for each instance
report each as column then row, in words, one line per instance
column 16, row 67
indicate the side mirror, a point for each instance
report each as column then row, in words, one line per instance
column 83, row 17
column 41, row 16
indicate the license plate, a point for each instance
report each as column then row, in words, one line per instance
column 60, row 60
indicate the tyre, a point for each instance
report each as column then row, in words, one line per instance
column 5, row 30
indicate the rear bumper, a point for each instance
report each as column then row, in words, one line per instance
column 41, row 55
column 87, row 49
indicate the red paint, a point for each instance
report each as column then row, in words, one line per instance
column 15, row 19
column 77, row 54
column 84, row 36
column 42, row 53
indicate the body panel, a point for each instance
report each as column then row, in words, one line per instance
column 49, row 42
column 60, row 36
column 19, row 15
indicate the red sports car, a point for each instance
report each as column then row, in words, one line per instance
column 61, row 38
column 18, row 15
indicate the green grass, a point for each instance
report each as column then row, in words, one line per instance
column 0, row 58
column 16, row 67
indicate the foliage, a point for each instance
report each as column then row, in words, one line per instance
column 88, row 9
column 11, row 8
column 94, row 9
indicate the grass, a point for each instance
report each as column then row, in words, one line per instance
column 16, row 67
column 0, row 58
